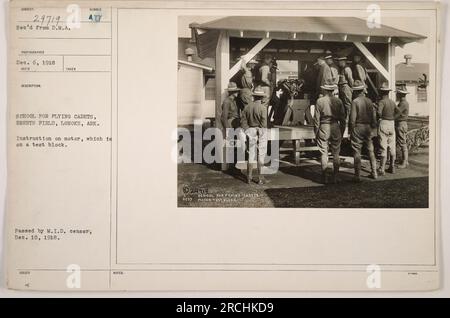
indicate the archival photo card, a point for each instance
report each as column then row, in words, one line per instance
column 223, row 146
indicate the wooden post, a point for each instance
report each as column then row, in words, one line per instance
column 251, row 54
column 222, row 71
column 391, row 63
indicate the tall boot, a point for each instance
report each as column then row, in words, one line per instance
column 404, row 163
column 373, row 165
column 261, row 179
column 382, row 169
column 336, row 164
column 374, row 174
column 392, row 165
column 249, row 172
column 357, row 165
column 324, row 166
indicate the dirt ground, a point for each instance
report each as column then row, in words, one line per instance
column 299, row 186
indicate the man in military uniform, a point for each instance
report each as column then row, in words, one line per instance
column 230, row 111
column 345, row 84
column 230, row 120
column 359, row 71
column 254, row 123
column 334, row 70
column 264, row 79
column 362, row 121
column 386, row 129
column 401, row 124
column 329, row 126
column 247, row 72
column 247, row 84
column 273, row 75
column 324, row 75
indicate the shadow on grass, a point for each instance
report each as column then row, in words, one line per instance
column 399, row 193
column 314, row 172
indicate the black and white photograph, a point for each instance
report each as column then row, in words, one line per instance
column 304, row 111
column 258, row 148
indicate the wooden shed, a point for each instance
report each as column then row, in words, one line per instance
column 296, row 38
column 193, row 73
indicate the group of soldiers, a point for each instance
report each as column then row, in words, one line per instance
column 246, row 109
column 365, row 120
column 341, row 102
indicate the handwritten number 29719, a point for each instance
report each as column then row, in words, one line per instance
column 46, row 20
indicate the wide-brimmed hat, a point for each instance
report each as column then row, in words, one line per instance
column 402, row 90
column 385, row 87
column 258, row 92
column 328, row 55
column 358, row 86
column 342, row 58
column 319, row 58
column 232, row 87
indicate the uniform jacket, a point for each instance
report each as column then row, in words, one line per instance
column 346, row 75
column 402, row 111
column 254, row 115
column 363, row 112
column 247, row 78
column 360, row 73
column 325, row 75
column 334, row 74
column 229, row 111
column 386, row 109
column 329, row 109
column 264, row 75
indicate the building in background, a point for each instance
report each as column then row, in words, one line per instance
column 196, row 88
column 415, row 76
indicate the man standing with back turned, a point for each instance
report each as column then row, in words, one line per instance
column 386, row 129
column 401, row 124
column 362, row 121
column 359, row 71
column 254, row 123
column 345, row 84
column 329, row 126
column 324, row 75
column 264, row 77
column 246, row 81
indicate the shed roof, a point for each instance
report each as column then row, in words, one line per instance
column 196, row 65
column 310, row 28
